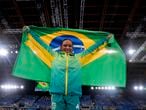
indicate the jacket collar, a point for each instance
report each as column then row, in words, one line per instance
column 71, row 54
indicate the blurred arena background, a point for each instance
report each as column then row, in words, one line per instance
column 126, row 19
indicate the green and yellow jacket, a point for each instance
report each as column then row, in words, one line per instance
column 66, row 71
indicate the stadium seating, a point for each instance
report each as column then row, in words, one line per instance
column 99, row 102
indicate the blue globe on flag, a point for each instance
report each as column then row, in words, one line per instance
column 77, row 43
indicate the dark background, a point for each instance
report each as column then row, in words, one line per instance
column 126, row 19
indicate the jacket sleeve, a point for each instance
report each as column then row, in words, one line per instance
column 95, row 46
column 49, row 49
column 45, row 46
column 27, row 29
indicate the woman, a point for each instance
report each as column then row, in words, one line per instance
column 65, row 85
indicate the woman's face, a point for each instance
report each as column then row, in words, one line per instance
column 67, row 46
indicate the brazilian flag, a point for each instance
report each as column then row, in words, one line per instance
column 105, row 66
column 42, row 86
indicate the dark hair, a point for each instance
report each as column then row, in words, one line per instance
column 65, row 40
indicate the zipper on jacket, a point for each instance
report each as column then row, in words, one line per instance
column 66, row 75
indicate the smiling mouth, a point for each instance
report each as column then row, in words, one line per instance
column 68, row 51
